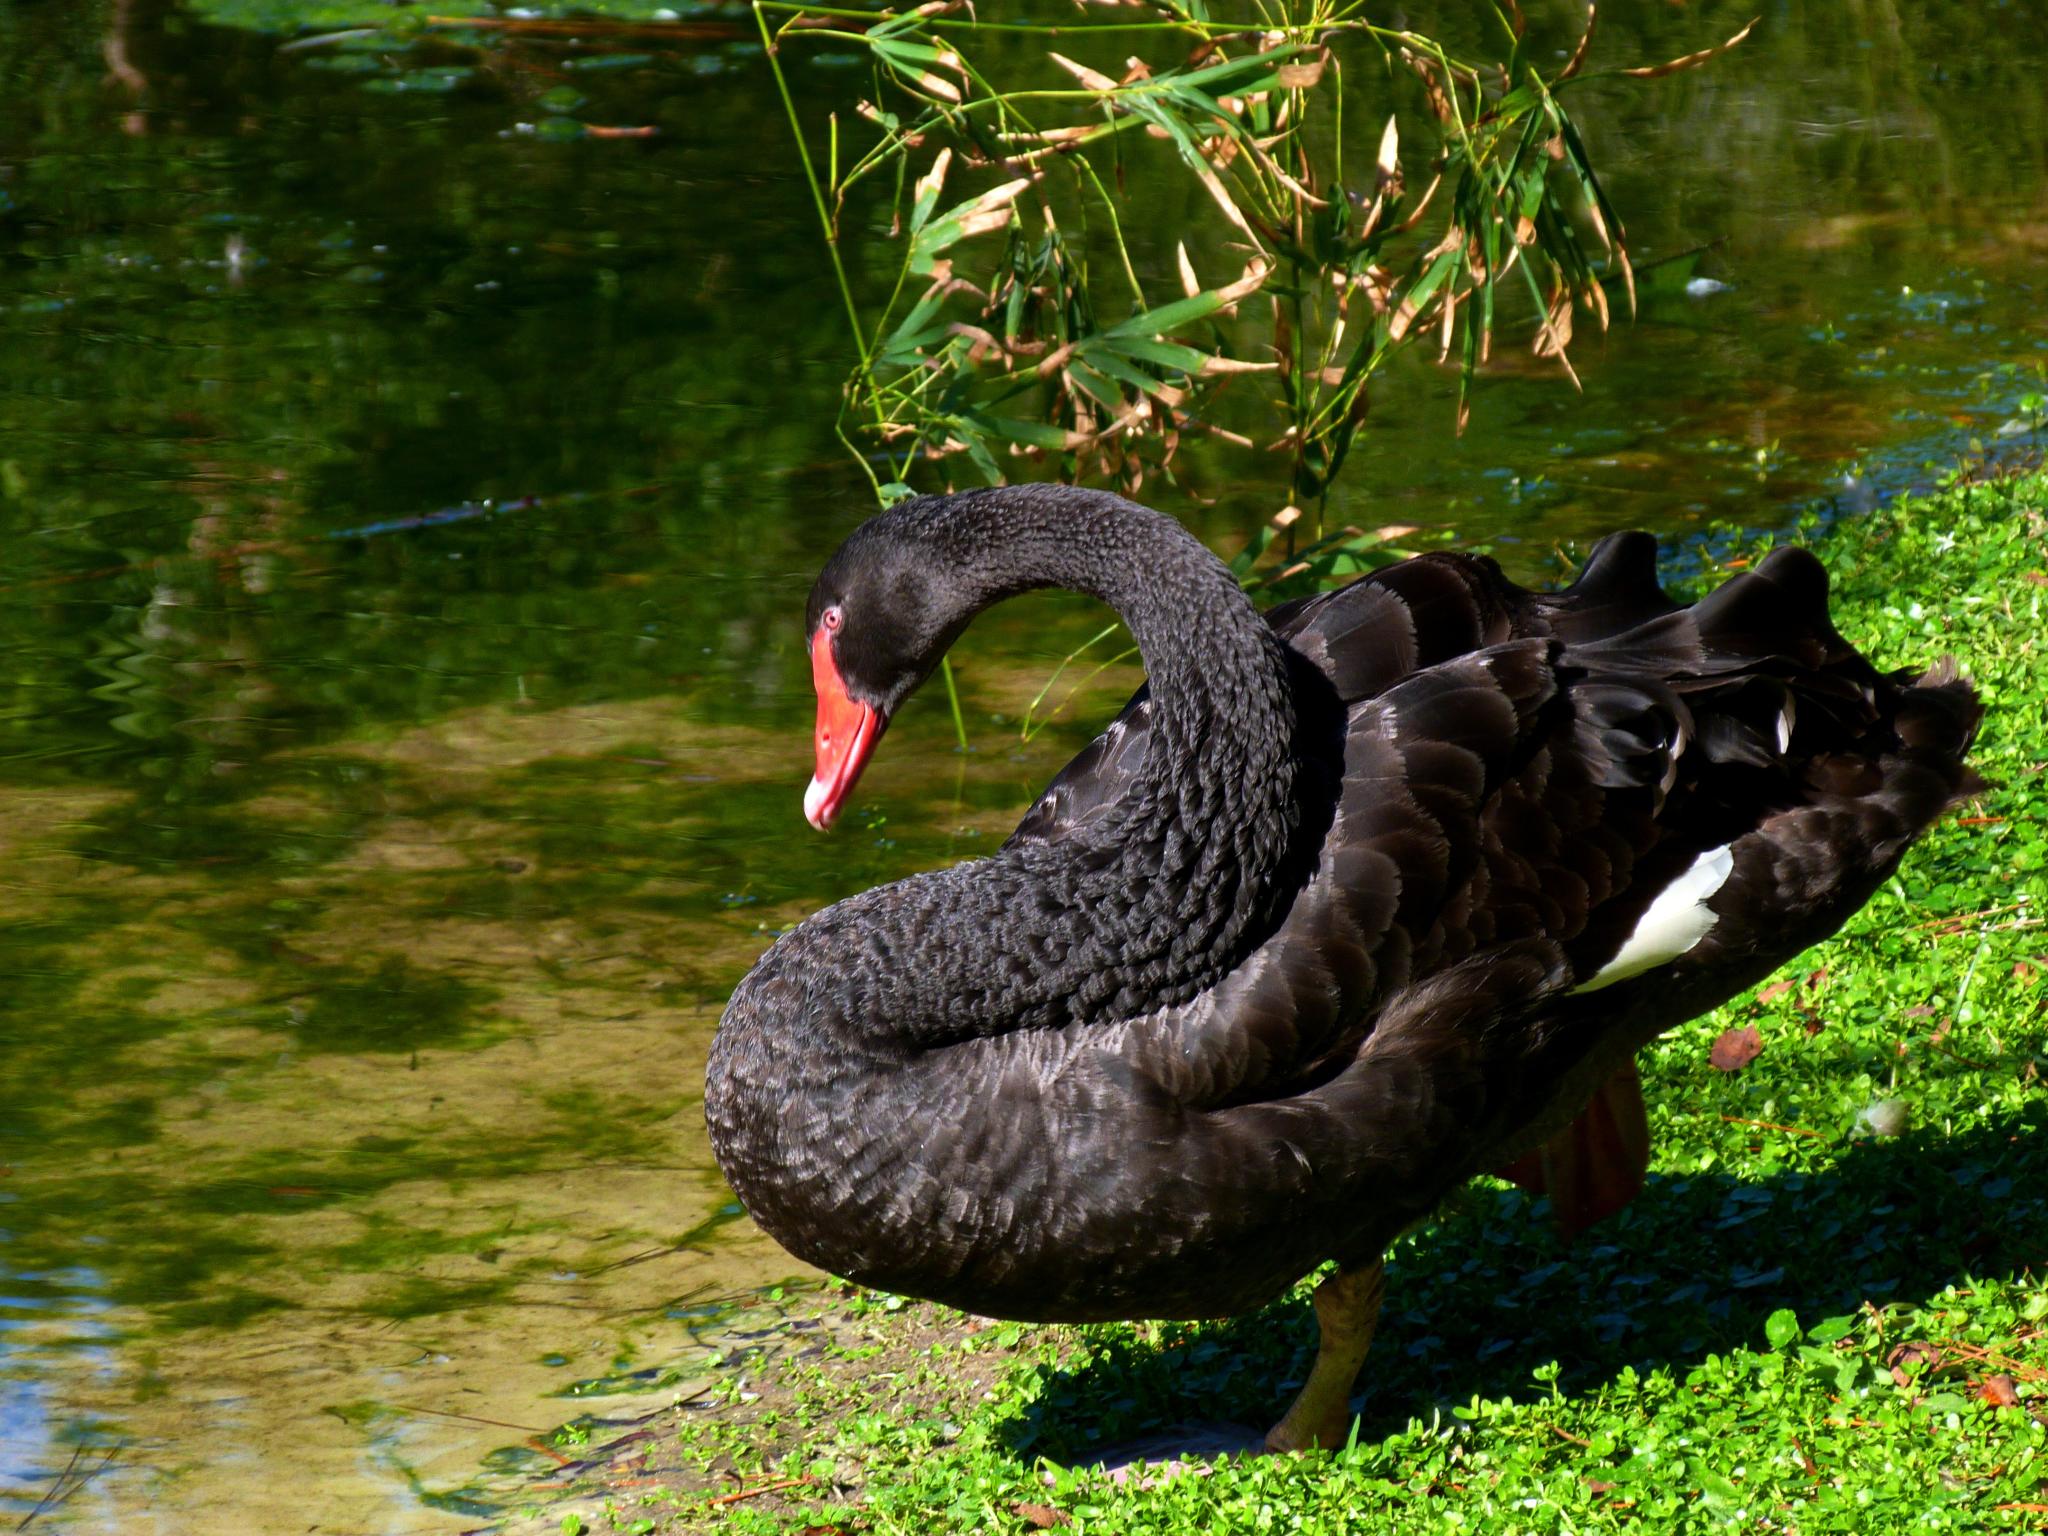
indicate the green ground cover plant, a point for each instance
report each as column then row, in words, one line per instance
column 1826, row 1313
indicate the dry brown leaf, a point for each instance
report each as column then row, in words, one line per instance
column 1094, row 79
column 1691, row 60
column 1439, row 103
column 1555, row 335
column 1422, row 205
column 935, row 179
column 983, row 221
column 1932, row 1360
column 1579, row 53
column 2001, row 1391
column 1390, row 155
column 1301, row 77
column 1056, row 360
column 1774, row 991
column 1599, row 223
column 1248, row 282
column 1736, row 1049
column 1213, row 184
column 984, row 346
column 1003, row 196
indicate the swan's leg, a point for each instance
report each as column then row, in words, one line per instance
column 1596, row 1165
column 1348, row 1309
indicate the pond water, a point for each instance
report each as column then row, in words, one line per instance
column 407, row 513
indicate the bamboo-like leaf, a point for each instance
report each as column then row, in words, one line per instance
column 1161, row 354
column 1416, row 300
column 1109, row 361
column 975, row 444
column 1242, row 77
column 1168, row 317
column 1032, row 434
column 917, row 63
column 1103, row 391
column 1582, row 166
column 976, row 216
column 1421, row 205
column 1188, row 283
column 1197, row 306
column 1192, row 156
column 928, row 187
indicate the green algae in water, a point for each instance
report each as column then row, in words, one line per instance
column 399, row 1008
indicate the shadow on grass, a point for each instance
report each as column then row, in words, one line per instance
column 1487, row 1293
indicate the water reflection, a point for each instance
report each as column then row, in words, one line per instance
column 402, row 722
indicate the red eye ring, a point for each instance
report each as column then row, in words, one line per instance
column 833, row 617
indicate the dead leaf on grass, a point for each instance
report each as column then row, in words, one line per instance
column 1736, row 1049
column 2001, row 1391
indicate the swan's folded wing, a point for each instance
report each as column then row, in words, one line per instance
column 1092, row 782
column 1365, row 638
column 1628, row 780
column 1423, row 762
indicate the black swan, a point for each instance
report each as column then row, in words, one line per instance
column 1352, row 901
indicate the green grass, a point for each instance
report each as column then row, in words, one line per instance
column 1821, row 1316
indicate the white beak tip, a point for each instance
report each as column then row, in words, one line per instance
column 814, row 805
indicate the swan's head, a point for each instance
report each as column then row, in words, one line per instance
column 885, row 610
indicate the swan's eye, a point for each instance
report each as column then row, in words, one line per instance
column 833, row 617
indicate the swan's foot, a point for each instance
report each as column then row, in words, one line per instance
column 1348, row 1310
column 1595, row 1166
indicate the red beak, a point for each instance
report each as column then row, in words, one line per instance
column 847, row 733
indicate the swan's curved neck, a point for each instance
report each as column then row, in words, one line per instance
column 1217, row 676
column 1156, row 898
